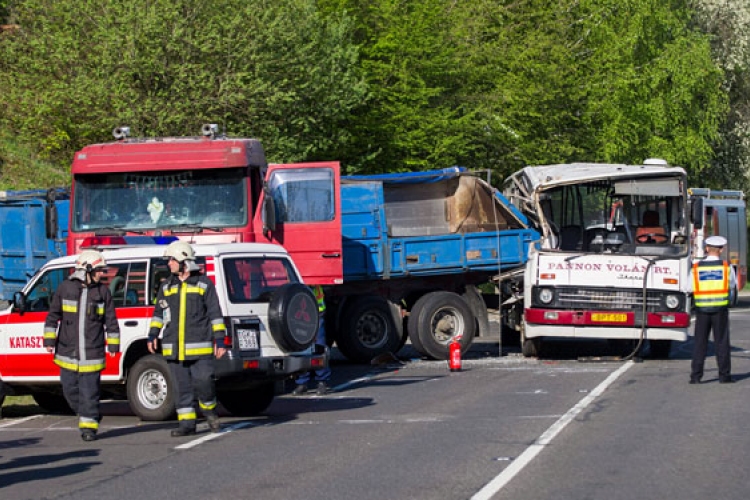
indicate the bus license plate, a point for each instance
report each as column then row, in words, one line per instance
column 248, row 339
column 609, row 317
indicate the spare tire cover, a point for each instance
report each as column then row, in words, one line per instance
column 293, row 317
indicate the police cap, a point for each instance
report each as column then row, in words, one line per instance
column 716, row 241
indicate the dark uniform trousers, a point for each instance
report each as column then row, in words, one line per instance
column 196, row 375
column 705, row 323
column 81, row 390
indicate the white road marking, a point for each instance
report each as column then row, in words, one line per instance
column 20, row 420
column 494, row 486
column 214, row 435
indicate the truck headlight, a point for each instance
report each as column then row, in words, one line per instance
column 672, row 301
column 546, row 295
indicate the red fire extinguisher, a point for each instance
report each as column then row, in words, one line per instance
column 454, row 355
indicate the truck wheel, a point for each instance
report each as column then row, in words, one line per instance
column 248, row 402
column 293, row 317
column 368, row 329
column 660, row 348
column 151, row 392
column 437, row 318
column 52, row 402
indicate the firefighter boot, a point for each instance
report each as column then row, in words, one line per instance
column 183, row 431
column 212, row 419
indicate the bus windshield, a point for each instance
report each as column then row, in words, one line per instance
column 211, row 198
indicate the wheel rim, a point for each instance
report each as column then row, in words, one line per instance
column 152, row 389
column 372, row 330
column 446, row 324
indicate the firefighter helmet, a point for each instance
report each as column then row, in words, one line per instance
column 90, row 260
column 180, row 251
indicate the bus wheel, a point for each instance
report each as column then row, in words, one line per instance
column 150, row 389
column 248, row 402
column 530, row 348
column 437, row 318
column 660, row 348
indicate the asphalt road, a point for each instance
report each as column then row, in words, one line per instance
column 505, row 427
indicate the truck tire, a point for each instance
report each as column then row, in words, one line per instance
column 248, row 402
column 52, row 402
column 151, row 391
column 436, row 319
column 369, row 329
column 293, row 317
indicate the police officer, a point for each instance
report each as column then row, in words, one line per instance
column 712, row 279
column 80, row 312
column 187, row 308
column 322, row 375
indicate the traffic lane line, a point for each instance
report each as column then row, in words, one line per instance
column 502, row 479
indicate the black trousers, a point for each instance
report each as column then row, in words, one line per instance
column 194, row 379
column 705, row 323
column 81, row 390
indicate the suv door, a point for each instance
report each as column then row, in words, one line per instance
column 306, row 218
column 22, row 353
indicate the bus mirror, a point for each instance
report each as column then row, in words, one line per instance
column 269, row 214
column 697, row 213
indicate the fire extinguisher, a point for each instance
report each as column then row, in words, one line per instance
column 454, row 355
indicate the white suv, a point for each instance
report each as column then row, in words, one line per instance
column 271, row 320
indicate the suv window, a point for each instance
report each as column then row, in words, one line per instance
column 253, row 279
column 127, row 283
column 39, row 297
column 160, row 272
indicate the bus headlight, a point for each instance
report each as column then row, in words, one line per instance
column 546, row 295
column 672, row 301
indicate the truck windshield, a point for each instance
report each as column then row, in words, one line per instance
column 198, row 198
column 639, row 216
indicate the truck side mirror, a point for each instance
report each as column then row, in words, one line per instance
column 269, row 213
column 50, row 221
column 19, row 302
column 697, row 213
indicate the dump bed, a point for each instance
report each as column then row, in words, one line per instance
column 29, row 236
column 429, row 223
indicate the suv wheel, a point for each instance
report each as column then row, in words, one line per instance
column 150, row 389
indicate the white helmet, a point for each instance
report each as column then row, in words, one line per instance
column 90, row 260
column 180, row 251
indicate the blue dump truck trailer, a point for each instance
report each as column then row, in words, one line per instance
column 33, row 229
column 417, row 248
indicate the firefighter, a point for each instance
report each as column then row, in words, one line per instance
column 712, row 279
column 322, row 375
column 187, row 309
column 80, row 313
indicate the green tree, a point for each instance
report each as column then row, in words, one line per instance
column 278, row 71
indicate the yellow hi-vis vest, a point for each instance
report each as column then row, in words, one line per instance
column 711, row 285
column 319, row 298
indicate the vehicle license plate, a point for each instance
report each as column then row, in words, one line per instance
column 609, row 317
column 248, row 339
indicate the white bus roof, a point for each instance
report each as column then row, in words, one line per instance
column 547, row 176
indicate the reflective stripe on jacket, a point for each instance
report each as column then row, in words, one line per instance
column 711, row 285
column 191, row 317
column 76, row 323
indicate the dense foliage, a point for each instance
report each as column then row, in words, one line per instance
column 382, row 85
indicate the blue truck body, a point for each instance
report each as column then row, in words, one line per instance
column 417, row 250
column 33, row 230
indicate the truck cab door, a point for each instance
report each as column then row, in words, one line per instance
column 301, row 211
